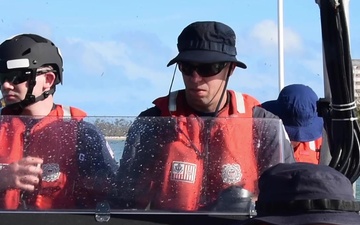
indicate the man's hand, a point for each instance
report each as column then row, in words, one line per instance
column 24, row 174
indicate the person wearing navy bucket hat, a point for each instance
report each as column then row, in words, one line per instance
column 304, row 194
column 212, row 136
column 296, row 105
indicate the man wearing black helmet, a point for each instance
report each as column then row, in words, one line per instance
column 50, row 158
column 209, row 147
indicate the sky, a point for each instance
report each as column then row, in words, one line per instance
column 115, row 52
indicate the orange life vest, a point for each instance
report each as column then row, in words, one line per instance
column 308, row 151
column 54, row 141
column 191, row 173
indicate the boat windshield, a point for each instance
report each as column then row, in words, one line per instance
column 162, row 164
column 112, row 163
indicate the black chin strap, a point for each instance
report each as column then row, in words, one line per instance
column 223, row 91
column 18, row 107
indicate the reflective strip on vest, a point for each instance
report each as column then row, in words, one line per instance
column 240, row 103
column 66, row 112
column 172, row 101
column 312, row 145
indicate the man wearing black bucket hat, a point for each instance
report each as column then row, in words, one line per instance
column 305, row 194
column 208, row 147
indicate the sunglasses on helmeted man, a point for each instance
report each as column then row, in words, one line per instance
column 204, row 69
column 19, row 76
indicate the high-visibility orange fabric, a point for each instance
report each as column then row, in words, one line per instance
column 53, row 139
column 308, row 151
column 206, row 157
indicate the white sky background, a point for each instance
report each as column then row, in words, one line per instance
column 115, row 53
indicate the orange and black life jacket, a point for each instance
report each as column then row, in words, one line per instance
column 308, row 151
column 53, row 139
column 205, row 157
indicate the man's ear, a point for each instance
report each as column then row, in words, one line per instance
column 232, row 68
column 49, row 80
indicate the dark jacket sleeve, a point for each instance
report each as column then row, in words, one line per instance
column 139, row 155
column 97, row 166
column 271, row 141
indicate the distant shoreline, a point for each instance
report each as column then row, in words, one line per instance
column 115, row 138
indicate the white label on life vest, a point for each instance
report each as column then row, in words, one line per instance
column 183, row 171
column 51, row 172
column 231, row 173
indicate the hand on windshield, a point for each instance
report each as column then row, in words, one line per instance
column 24, row 174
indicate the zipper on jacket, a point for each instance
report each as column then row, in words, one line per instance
column 25, row 196
column 206, row 135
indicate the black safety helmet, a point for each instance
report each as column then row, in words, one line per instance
column 27, row 53
column 30, row 51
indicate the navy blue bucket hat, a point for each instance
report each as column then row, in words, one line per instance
column 296, row 107
column 305, row 193
column 207, row 42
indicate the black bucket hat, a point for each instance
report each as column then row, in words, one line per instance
column 304, row 193
column 207, row 42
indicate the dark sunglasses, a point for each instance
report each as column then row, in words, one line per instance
column 18, row 76
column 204, row 70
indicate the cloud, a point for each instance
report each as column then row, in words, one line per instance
column 265, row 34
column 258, row 48
column 38, row 27
column 127, row 70
column 135, row 55
column 96, row 56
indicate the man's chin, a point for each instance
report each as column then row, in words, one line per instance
column 198, row 94
column 10, row 102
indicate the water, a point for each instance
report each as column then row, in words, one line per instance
column 118, row 146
